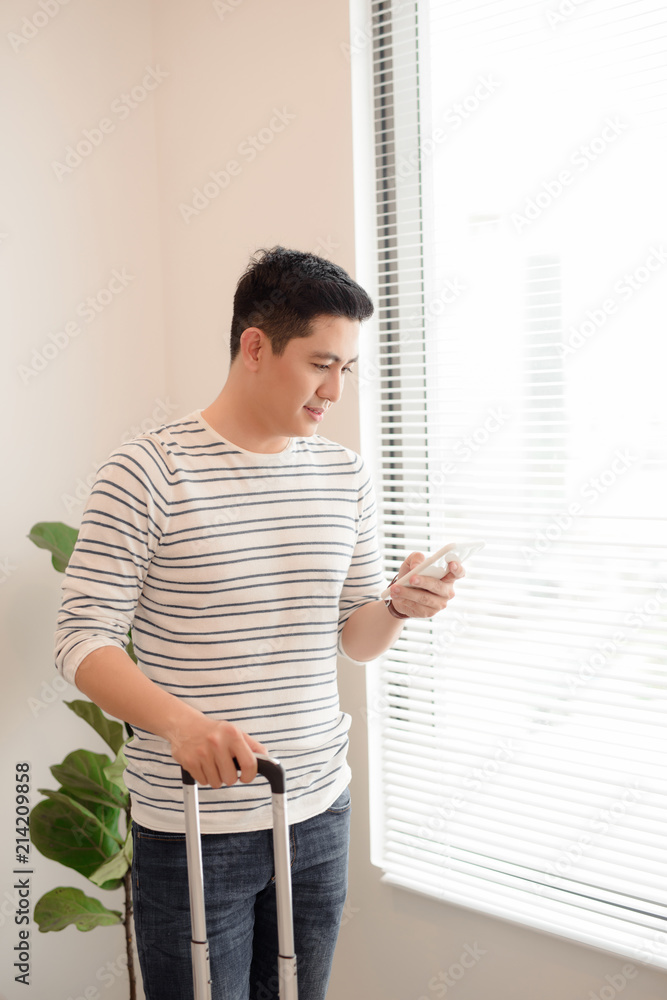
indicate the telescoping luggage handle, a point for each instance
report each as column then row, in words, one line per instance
column 274, row 772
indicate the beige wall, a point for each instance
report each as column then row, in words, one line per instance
column 74, row 382
column 158, row 349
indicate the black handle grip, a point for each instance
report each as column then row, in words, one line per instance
column 270, row 769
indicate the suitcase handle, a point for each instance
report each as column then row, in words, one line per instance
column 273, row 771
column 269, row 768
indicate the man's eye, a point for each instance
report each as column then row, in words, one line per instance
column 325, row 368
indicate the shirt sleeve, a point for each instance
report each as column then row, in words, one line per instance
column 365, row 579
column 125, row 517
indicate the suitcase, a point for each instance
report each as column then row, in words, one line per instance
column 201, row 971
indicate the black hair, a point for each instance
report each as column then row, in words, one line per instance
column 281, row 291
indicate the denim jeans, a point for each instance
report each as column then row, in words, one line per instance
column 240, row 907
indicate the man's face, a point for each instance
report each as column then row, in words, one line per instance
column 298, row 386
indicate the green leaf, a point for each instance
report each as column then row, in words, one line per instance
column 82, row 774
column 114, row 772
column 65, row 905
column 117, row 865
column 58, row 538
column 129, row 649
column 67, row 831
column 110, row 730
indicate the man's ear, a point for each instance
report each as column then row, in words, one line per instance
column 253, row 342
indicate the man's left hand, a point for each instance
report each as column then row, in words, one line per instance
column 428, row 595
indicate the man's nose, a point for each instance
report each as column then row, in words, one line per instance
column 332, row 388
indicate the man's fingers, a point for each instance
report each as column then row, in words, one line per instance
column 256, row 746
column 211, row 757
column 429, row 595
column 205, row 772
column 228, row 771
column 455, row 570
column 247, row 762
column 414, row 560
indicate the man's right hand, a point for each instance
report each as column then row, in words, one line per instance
column 203, row 746
column 206, row 748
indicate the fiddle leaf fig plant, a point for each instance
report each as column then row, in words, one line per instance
column 85, row 823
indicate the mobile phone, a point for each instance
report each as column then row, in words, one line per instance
column 436, row 565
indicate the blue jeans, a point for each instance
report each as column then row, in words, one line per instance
column 240, row 907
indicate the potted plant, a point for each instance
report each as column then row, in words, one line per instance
column 85, row 823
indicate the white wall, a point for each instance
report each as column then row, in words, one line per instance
column 159, row 350
column 229, row 77
column 67, row 400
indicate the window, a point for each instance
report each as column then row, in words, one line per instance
column 516, row 394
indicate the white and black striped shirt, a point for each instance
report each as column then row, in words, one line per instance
column 237, row 572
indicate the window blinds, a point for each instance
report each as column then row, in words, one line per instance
column 517, row 739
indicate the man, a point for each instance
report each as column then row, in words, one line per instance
column 241, row 547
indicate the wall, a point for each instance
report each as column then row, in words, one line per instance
column 77, row 375
column 155, row 347
column 261, row 101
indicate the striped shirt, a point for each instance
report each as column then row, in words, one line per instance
column 237, row 572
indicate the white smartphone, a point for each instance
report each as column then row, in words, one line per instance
column 436, row 564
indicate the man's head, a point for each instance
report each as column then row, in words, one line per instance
column 282, row 291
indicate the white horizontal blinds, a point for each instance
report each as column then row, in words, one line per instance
column 402, row 396
column 523, row 735
column 401, row 466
